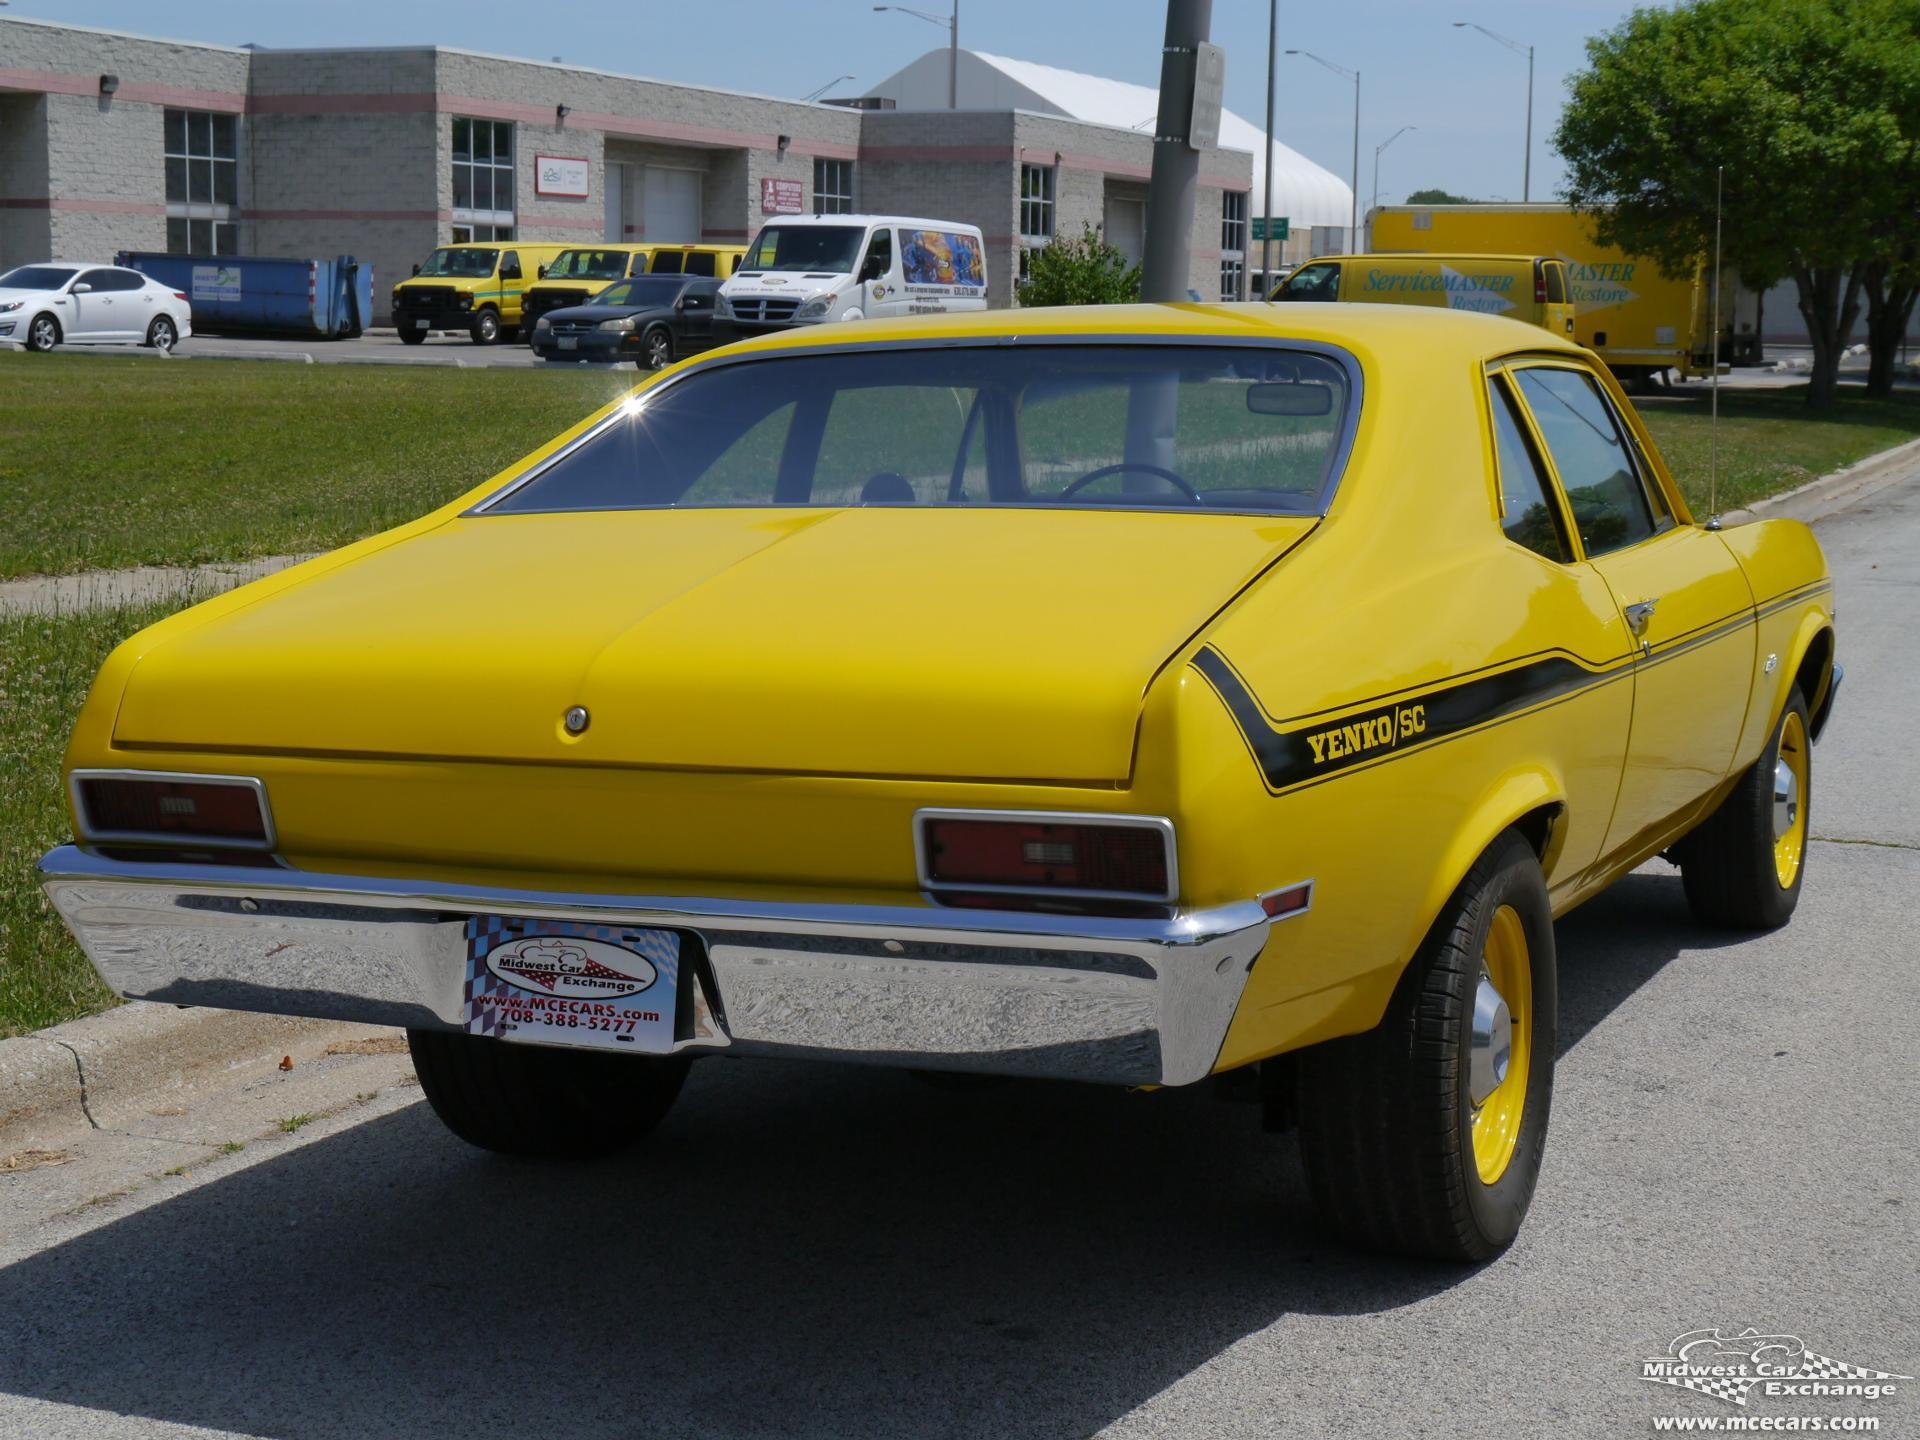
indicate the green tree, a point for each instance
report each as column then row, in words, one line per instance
column 1807, row 106
column 1439, row 197
column 1087, row 271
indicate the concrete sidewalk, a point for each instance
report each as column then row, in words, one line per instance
column 100, row 589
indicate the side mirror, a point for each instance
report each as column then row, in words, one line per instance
column 543, row 272
column 416, row 269
column 1290, row 399
column 81, row 289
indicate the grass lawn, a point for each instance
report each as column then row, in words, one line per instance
column 46, row 665
column 1768, row 440
column 122, row 460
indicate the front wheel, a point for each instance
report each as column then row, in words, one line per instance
column 1424, row 1136
column 1742, row 866
column 43, row 333
column 162, row 335
column 413, row 337
column 543, row 1101
column 659, row 348
column 486, row 327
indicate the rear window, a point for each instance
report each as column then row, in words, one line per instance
column 1138, row 427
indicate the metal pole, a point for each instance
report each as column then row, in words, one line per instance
column 1266, row 202
column 953, row 66
column 1176, row 165
column 1713, row 422
column 1353, row 213
column 1526, row 169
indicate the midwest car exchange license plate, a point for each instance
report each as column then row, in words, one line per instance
column 556, row 982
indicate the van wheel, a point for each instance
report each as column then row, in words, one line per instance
column 43, row 333
column 1424, row 1135
column 537, row 1100
column 1742, row 866
column 486, row 327
column 413, row 337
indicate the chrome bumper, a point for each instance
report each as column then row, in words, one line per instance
column 1128, row 1001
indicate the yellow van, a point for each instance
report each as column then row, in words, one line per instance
column 719, row 261
column 1532, row 288
column 473, row 286
column 578, row 274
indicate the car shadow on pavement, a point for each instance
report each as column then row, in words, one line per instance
column 800, row 1250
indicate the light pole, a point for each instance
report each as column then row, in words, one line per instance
column 1375, row 204
column 952, row 22
column 1526, row 169
column 1266, row 158
column 1353, row 216
column 816, row 94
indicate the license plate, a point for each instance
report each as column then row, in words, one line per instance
column 419, row 324
column 569, row 342
column 557, row 982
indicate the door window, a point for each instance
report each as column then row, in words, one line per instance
column 98, row 281
column 117, row 280
column 1556, row 283
column 879, row 261
column 1528, row 515
column 510, row 265
column 1316, row 282
column 1596, row 467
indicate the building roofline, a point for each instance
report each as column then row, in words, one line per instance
column 122, row 34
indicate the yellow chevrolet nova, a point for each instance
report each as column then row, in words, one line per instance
column 1130, row 695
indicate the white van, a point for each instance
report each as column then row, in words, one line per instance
column 807, row 269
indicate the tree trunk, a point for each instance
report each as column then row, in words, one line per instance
column 1890, row 301
column 1830, row 304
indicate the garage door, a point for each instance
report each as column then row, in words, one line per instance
column 1127, row 227
column 671, row 211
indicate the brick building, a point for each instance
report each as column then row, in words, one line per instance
column 119, row 142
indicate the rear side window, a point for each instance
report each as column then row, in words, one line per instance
column 699, row 263
column 1597, row 471
column 1556, row 283
column 667, row 262
column 1527, row 513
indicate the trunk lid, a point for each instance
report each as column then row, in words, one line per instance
column 989, row 644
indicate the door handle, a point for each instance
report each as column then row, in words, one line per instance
column 1639, row 615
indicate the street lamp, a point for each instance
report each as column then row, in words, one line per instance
column 816, row 94
column 1526, row 170
column 1375, row 205
column 952, row 22
column 1353, row 217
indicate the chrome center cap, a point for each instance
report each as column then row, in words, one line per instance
column 1786, row 798
column 1492, row 1042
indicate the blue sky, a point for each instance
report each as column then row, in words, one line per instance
column 1466, row 94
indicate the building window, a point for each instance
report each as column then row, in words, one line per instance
column 483, row 176
column 1233, row 244
column 464, row 234
column 1036, row 205
column 833, row 187
column 202, row 156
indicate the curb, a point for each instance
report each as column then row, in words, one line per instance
column 68, row 1074
column 1830, row 494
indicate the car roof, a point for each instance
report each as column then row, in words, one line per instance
column 1399, row 336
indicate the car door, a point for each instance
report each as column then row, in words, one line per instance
column 513, row 285
column 90, row 317
column 881, row 290
column 1557, row 298
column 1686, row 603
column 695, row 321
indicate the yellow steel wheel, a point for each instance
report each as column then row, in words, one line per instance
column 1500, row 1044
column 1790, row 799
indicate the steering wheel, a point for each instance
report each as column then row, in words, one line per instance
column 1105, row 470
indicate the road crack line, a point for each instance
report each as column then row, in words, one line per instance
column 1877, row 844
column 80, row 1069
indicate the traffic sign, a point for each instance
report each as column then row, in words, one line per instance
column 1278, row 222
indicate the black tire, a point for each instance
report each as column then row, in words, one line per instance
column 162, row 334
column 43, row 333
column 1387, row 1118
column 538, row 1101
column 1728, row 862
column 656, row 349
column 413, row 337
column 486, row 327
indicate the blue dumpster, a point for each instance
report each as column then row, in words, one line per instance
column 261, row 295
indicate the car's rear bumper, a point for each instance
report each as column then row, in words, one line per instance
column 1120, row 1000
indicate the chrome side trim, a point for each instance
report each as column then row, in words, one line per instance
column 1047, row 817
column 1122, row 1000
column 89, row 831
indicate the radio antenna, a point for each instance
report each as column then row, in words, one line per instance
column 1713, row 421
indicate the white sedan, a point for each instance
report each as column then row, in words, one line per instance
column 59, row 303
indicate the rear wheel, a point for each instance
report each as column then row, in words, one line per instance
column 162, row 335
column 1742, row 866
column 43, row 333
column 1424, row 1136
column 486, row 327
column 535, row 1100
column 413, row 337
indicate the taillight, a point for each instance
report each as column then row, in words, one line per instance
column 1088, row 856
column 179, row 294
column 208, row 809
column 1539, row 284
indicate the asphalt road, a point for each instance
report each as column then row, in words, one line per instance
column 838, row 1252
